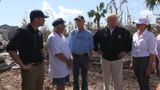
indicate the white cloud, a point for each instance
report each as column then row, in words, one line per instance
column 63, row 12
column 146, row 13
column 47, row 9
column 149, row 14
column 69, row 11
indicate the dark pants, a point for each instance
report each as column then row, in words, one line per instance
column 80, row 63
column 140, row 65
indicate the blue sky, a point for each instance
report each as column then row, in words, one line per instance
column 13, row 11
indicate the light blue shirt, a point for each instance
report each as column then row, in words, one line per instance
column 80, row 42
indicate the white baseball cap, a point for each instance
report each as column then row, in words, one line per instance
column 142, row 21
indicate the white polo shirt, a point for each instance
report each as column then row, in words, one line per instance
column 58, row 44
column 143, row 45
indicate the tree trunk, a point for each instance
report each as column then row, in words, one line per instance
column 98, row 23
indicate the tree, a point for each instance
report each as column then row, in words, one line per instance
column 24, row 22
column 97, row 14
column 152, row 3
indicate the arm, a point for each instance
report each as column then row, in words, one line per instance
column 151, row 45
column 62, row 57
column 91, row 48
column 96, row 41
column 16, row 58
column 128, row 42
column 12, row 49
column 56, row 51
column 43, row 53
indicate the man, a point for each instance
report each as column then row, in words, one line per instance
column 81, row 45
column 26, row 49
column 59, row 55
column 113, row 43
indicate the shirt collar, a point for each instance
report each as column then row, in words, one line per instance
column 144, row 33
column 81, row 30
column 31, row 28
column 56, row 34
column 111, row 29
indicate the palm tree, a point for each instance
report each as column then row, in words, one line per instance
column 152, row 3
column 97, row 14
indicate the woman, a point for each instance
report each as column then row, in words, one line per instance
column 143, row 51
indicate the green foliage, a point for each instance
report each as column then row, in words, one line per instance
column 98, row 13
column 152, row 3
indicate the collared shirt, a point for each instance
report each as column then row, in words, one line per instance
column 111, row 30
column 112, row 44
column 58, row 44
column 28, row 43
column 80, row 42
column 157, row 48
column 143, row 45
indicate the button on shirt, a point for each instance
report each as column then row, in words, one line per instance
column 143, row 45
column 28, row 43
column 57, row 44
column 80, row 42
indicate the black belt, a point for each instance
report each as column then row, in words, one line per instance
column 38, row 63
column 84, row 54
column 146, row 57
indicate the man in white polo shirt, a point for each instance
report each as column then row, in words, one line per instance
column 59, row 55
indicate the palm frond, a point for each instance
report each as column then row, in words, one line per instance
column 151, row 3
column 91, row 13
column 101, row 6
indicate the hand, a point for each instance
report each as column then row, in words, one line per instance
column 122, row 54
column 154, row 67
column 148, row 71
column 100, row 52
column 46, row 65
column 89, row 66
column 131, row 66
column 46, row 62
column 69, row 63
column 27, row 67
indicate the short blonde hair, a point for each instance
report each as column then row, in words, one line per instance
column 111, row 15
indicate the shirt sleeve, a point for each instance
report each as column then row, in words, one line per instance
column 15, row 42
column 53, row 46
column 128, row 41
column 96, row 40
column 152, row 44
column 41, row 37
column 91, row 46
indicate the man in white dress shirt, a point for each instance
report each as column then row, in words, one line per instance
column 59, row 55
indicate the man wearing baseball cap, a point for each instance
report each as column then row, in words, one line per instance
column 26, row 49
column 143, row 52
column 81, row 45
column 60, row 60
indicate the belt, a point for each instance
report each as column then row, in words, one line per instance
column 141, row 57
column 38, row 63
column 84, row 54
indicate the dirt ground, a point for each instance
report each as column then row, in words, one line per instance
column 11, row 80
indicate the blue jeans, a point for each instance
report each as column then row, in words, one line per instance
column 80, row 63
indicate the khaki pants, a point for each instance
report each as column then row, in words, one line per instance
column 113, row 70
column 33, row 80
